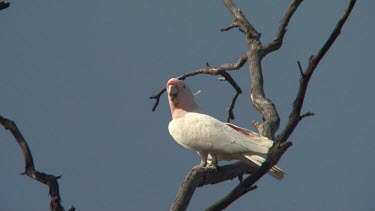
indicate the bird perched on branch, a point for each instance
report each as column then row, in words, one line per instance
column 212, row 139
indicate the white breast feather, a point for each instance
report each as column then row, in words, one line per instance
column 202, row 132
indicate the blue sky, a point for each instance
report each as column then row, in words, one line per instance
column 76, row 76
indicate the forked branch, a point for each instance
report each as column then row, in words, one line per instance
column 279, row 37
column 49, row 180
column 200, row 176
column 228, row 77
column 240, row 21
column 221, row 70
column 295, row 115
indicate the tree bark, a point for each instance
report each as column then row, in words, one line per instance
column 49, row 180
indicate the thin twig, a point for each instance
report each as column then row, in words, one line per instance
column 241, row 21
column 300, row 69
column 231, row 106
column 208, row 70
column 278, row 40
column 307, row 114
column 229, row 78
column 157, row 98
column 50, row 180
column 265, row 107
column 231, row 26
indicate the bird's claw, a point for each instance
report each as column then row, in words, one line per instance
column 212, row 167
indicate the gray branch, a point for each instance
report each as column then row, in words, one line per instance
column 295, row 116
column 49, row 180
column 278, row 41
column 265, row 107
column 200, row 176
column 240, row 21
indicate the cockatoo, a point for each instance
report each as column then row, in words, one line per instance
column 212, row 139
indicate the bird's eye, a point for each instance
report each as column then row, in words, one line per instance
column 184, row 87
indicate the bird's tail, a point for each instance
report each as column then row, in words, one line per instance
column 275, row 171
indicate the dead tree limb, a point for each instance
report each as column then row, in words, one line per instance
column 49, row 180
column 278, row 41
column 314, row 60
column 230, row 109
column 200, row 176
column 241, row 22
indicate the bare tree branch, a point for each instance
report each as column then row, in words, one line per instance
column 307, row 114
column 231, row 106
column 231, row 26
column 157, row 98
column 295, row 115
column 229, row 78
column 4, row 5
column 200, row 176
column 221, row 70
column 300, row 69
column 246, row 185
column 240, row 21
column 263, row 105
column 278, row 41
column 49, row 180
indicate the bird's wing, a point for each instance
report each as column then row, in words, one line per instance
column 203, row 132
column 259, row 139
column 275, row 171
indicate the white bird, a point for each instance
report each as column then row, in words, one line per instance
column 211, row 138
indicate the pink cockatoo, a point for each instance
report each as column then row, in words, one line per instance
column 212, row 139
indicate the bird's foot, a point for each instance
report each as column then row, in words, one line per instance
column 213, row 167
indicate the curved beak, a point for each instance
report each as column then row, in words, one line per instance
column 172, row 92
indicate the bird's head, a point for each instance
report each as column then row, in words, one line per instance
column 180, row 96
